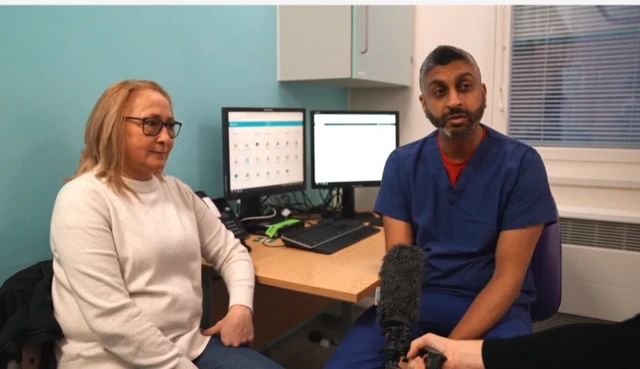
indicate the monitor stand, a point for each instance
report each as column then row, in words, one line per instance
column 250, row 207
column 349, row 206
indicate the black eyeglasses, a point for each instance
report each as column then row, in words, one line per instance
column 153, row 126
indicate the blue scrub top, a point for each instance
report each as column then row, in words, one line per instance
column 503, row 186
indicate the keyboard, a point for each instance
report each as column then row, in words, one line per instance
column 328, row 237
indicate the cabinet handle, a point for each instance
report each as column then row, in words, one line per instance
column 366, row 30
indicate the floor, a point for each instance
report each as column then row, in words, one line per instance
column 297, row 351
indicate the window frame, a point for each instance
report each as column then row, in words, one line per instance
column 585, row 164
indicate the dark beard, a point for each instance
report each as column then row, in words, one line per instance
column 473, row 119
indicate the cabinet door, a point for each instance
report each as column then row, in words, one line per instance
column 314, row 42
column 383, row 44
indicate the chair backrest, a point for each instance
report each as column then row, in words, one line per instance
column 546, row 265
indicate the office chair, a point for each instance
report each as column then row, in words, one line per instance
column 546, row 265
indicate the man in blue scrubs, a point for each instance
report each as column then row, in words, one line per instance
column 475, row 201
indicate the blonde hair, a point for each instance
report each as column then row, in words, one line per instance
column 104, row 141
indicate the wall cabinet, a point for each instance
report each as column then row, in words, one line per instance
column 351, row 46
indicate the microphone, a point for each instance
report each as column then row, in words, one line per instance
column 401, row 278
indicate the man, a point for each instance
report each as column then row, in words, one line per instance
column 475, row 201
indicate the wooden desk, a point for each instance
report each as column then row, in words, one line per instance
column 347, row 275
column 294, row 285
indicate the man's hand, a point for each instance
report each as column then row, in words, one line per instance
column 236, row 328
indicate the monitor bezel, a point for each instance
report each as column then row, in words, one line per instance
column 312, row 117
column 260, row 191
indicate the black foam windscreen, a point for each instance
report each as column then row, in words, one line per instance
column 401, row 278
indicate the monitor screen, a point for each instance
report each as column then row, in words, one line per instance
column 351, row 148
column 264, row 151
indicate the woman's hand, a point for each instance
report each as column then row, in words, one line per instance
column 236, row 328
column 459, row 354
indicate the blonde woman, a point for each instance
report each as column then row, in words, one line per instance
column 127, row 242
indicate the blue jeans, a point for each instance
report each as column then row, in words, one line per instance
column 439, row 314
column 218, row 356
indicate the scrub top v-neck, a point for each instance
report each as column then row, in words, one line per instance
column 502, row 186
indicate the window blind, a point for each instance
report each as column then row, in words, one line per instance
column 575, row 76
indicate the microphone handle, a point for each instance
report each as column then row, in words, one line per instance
column 433, row 359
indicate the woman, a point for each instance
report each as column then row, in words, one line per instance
column 128, row 242
column 580, row 346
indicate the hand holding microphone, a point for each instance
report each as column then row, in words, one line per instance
column 458, row 354
column 401, row 279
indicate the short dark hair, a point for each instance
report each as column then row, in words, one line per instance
column 443, row 55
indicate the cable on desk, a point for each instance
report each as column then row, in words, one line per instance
column 304, row 208
column 273, row 213
column 264, row 243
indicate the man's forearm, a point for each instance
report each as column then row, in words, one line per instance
column 487, row 309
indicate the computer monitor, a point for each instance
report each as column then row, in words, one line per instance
column 349, row 149
column 264, row 154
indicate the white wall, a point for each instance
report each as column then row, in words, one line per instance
column 591, row 184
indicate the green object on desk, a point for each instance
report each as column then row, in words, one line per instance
column 271, row 231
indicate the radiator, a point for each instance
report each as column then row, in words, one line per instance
column 600, row 269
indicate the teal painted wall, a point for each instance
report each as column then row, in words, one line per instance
column 56, row 61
